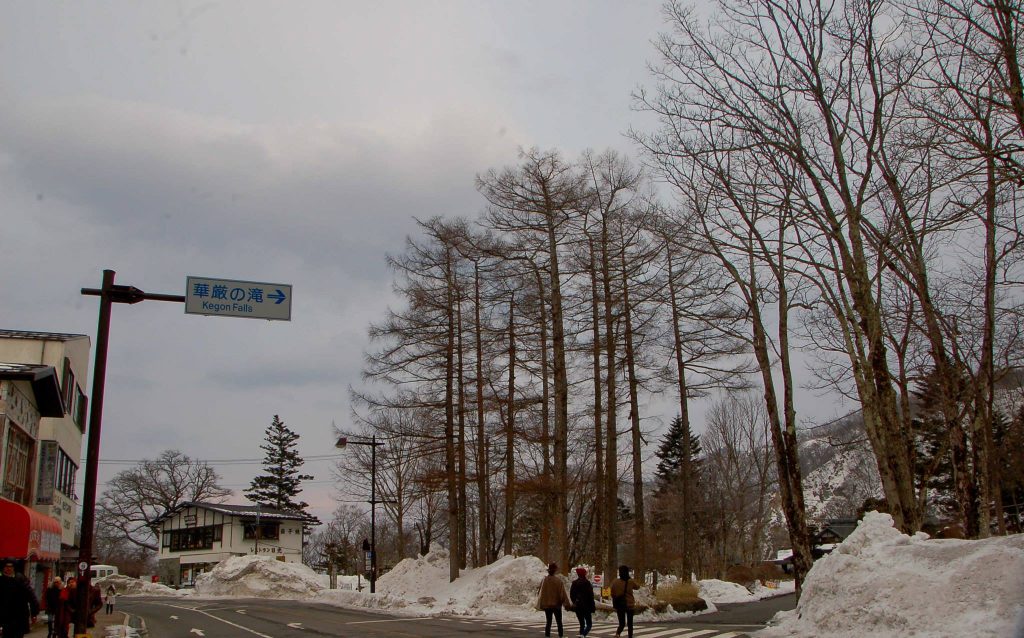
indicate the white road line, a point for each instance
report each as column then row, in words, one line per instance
column 366, row 622
column 654, row 632
column 237, row 626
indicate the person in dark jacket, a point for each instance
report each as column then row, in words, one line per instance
column 551, row 598
column 54, row 607
column 18, row 603
column 581, row 593
column 95, row 603
column 623, row 600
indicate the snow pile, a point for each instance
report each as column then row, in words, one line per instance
column 259, row 576
column 720, row 591
column 415, row 577
column 128, row 585
column 510, row 583
column 883, row 583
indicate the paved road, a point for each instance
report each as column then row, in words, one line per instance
column 263, row 618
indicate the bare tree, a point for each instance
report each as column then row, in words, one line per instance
column 738, row 479
column 537, row 199
column 136, row 497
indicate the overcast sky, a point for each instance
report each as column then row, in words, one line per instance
column 286, row 142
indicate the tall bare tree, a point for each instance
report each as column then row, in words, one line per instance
column 537, row 199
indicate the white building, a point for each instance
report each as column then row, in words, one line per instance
column 195, row 536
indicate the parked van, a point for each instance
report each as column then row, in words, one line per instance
column 102, row 571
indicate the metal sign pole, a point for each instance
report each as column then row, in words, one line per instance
column 108, row 294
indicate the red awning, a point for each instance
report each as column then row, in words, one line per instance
column 26, row 534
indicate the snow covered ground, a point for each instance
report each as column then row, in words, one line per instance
column 885, row 584
column 879, row 582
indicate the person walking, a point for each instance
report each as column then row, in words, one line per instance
column 623, row 600
column 551, row 598
column 95, row 603
column 69, row 601
column 581, row 594
column 18, row 603
column 110, row 598
column 54, row 607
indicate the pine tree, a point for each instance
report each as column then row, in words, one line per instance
column 670, row 455
column 281, row 483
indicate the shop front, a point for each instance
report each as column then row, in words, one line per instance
column 32, row 540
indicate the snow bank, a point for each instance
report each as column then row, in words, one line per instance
column 883, row 583
column 720, row 591
column 134, row 586
column 509, row 584
column 259, row 576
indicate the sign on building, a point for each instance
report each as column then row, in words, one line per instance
column 48, row 452
column 233, row 298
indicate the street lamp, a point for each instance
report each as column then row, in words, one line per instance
column 373, row 443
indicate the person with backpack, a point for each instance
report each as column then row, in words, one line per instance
column 623, row 600
column 581, row 593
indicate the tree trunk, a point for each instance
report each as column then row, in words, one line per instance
column 639, row 529
column 684, row 416
column 510, row 430
column 611, row 495
column 545, row 418
column 482, row 472
column 600, row 527
column 463, row 545
column 449, row 430
column 561, row 443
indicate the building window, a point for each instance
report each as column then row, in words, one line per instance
column 18, row 464
column 81, row 405
column 268, row 531
column 67, row 385
column 180, row 540
column 66, row 472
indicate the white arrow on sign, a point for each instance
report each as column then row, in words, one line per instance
column 197, row 631
column 295, row 625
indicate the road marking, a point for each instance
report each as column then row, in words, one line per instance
column 197, row 631
column 295, row 625
column 241, row 611
column 174, row 617
column 366, row 622
column 226, row 622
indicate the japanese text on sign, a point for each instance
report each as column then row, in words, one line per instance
column 231, row 298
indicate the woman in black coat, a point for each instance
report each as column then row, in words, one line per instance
column 54, row 607
column 581, row 593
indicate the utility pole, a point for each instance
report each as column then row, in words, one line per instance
column 109, row 294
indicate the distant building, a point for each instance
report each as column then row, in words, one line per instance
column 195, row 536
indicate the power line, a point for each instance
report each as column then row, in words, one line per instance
column 318, row 457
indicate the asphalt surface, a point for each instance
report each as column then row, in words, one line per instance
column 263, row 618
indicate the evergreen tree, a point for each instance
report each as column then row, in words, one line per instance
column 670, row 455
column 934, row 459
column 281, row 483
